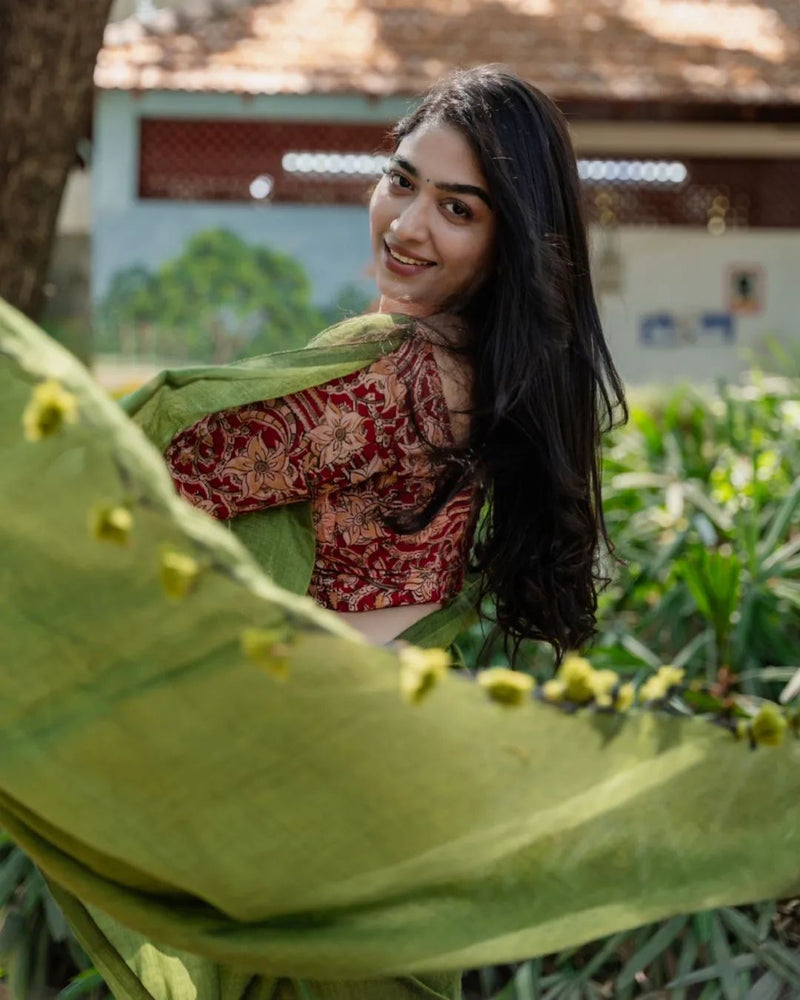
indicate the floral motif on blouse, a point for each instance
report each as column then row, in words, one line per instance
column 339, row 436
column 351, row 448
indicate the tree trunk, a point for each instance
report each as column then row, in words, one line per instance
column 47, row 54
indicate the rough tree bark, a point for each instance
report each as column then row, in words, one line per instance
column 47, row 54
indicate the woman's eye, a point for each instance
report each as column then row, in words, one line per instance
column 459, row 209
column 397, row 179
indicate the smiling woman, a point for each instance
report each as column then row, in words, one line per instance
column 499, row 390
column 355, row 471
column 432, row 224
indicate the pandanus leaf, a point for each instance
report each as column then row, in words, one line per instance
column 311, row 822
column 714, row 580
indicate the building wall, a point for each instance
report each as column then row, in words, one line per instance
column 686, row 274
column 680, row 276
column 330, row 241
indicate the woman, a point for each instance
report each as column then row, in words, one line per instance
column 500, row 389
column 322, row 828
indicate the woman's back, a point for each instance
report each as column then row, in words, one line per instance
column 362, row 450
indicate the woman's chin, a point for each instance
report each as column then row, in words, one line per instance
column 408, row 307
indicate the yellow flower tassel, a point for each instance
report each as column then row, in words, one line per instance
column 49, row 408
column 111, row 523
column 179, row 573
column 508, row 687
column 420, row 671
column 269, row 649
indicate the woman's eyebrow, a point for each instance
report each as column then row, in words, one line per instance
column 442, row 185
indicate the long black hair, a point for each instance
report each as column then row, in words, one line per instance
column 545, row 388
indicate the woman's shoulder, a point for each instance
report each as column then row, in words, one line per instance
column 367, row 329
column 447, row 341
column 434, row 368
column 421, row 356
column 443, row 331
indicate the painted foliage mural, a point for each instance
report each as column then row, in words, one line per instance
column 220, row 300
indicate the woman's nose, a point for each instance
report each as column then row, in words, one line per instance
column 411, row 224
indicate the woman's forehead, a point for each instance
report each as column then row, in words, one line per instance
column 442, row 154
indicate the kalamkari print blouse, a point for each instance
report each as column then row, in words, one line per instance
column 359, row 449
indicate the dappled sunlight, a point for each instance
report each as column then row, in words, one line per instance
column 536, row 8
column 745, row 26
column 356, row 32
column 627, row 49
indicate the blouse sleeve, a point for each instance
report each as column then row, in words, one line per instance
column 285, row 450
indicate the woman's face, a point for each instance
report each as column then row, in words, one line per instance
column 431, row 224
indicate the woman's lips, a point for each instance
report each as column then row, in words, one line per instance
column 400, row 266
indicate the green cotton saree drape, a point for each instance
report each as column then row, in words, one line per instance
column 284, row 816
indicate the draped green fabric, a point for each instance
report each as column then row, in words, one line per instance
column 267, row 830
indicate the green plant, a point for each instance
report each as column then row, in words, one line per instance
column 725, row 954
column 37, row 948
column 704, row 509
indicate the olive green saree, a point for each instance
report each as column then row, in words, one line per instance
column 199, row 757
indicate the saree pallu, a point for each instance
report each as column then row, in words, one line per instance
column 287, row 825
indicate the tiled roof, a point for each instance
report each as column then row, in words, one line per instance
column 745, row 51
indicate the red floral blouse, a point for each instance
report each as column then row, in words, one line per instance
column 352, row 448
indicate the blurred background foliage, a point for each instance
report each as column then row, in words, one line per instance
column 702, row 500
column 219, row 300
column 38, row 952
